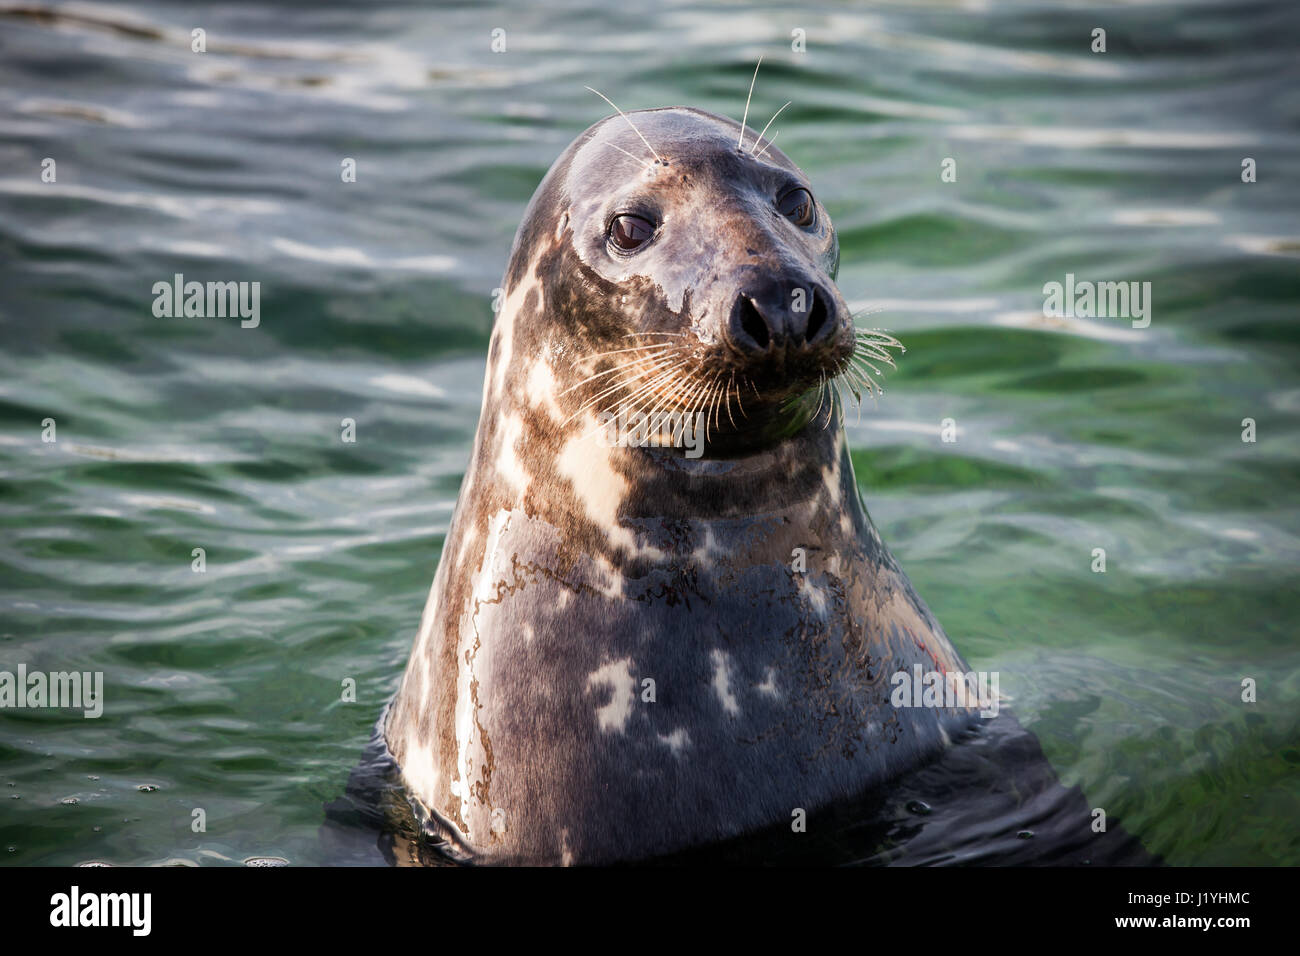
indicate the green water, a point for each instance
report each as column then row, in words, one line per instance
column 223, row 688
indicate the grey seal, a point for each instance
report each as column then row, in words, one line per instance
column 633, row 647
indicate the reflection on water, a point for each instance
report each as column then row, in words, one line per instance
column 223, row 687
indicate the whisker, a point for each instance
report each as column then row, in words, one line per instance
column 769, row 123
column 740, row 143
column 641, row 353
column 629, row 155
column 688, row 399
column 646, row 388
column 613, row 389
column 651, row 389
column 658, row 409
column 879, row 355
column 717, row 397
column 652, row 347
column 769, row 145
column 610, row 371
column 599, row 424
column 629, row 123
column 828, row 392
column 704, row 405
column 858, row 362
column 624, row 382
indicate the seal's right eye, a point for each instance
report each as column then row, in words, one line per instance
column 630, row 232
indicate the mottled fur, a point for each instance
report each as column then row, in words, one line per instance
column 574, row 572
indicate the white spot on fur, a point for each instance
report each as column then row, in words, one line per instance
column 541, row 386
column 814, row 595
column 617, row 676
column 420, row 771
column 722, row 682
column 677, row 741
column 508, row 464
column 768, row 686
column 708, row 548
column 598, row 487
column 504, row 333
column 611, row 579
column 467, row 537
column 600, row 490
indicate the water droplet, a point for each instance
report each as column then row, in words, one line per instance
column 266, row 861
column 69, row 801
column 919, row 807
column 1025, row 835
column 146, row 788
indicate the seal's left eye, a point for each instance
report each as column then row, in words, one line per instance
column 797, row 205
column 630, row 232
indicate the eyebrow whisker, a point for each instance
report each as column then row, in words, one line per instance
column 630, row 156
column 769, row 145
column 740, row 143
column 769, row 123
column 658, row 159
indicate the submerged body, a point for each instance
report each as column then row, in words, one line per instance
column 631, row 651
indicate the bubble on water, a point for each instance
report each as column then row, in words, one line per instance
column 69, row 801
column 266, row 861
column 146, row 788
column 94, row 863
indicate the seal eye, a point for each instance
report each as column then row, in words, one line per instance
column 797, row 206
column 630, row 232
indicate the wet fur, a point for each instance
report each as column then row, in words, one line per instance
column 573, row 572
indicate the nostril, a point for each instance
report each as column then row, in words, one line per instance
column 752, row 323
column 817, row 316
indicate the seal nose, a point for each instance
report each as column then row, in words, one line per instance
column 780, row 318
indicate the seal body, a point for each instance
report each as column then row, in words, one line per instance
column 629, row 650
